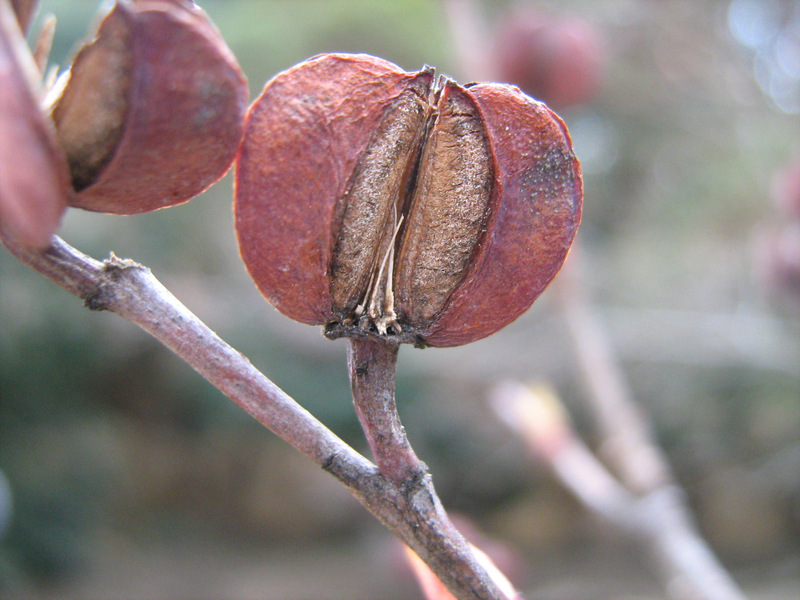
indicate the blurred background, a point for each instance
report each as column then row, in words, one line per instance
column 124, row 475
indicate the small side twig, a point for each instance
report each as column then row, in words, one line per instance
column 413, row 512
column 372, row 364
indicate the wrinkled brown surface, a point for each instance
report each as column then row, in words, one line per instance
column 533, row 222
column 90, row 115
column 448, row 214
column 371, row 205
column 183, row 112
column 303, row 138
column 33, row 175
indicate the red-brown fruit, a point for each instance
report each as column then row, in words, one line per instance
column 778, row 262
column 557, row 60
column 152, row 113
column 34, row 182
column 378, row 202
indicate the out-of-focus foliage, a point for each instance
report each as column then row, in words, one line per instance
column 110, row 445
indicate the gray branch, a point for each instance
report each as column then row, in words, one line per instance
column 413, row 513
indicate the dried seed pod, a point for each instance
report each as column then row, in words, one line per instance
column 381, row 203
column 558, row 60
column 152, row 112
column 34, row 182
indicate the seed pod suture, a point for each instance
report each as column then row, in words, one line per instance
column 383, row 203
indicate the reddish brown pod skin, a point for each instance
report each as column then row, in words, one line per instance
column 785, row 189
column 34, row 181
column 381, row 203
column 152, row 113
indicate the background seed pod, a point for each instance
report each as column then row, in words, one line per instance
column 327, row 125
column 556, row 59
column 34, row 183
column 151, row 115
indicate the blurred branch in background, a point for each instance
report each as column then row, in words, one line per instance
column 643, row 500
column 628, row 443
column 655, row 514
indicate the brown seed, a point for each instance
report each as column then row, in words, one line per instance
column 533, row 223
column 375, row 202
column 304, row 137
column 375, row 194
column 449, row 210
column 91, row 113
column 152, row 111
